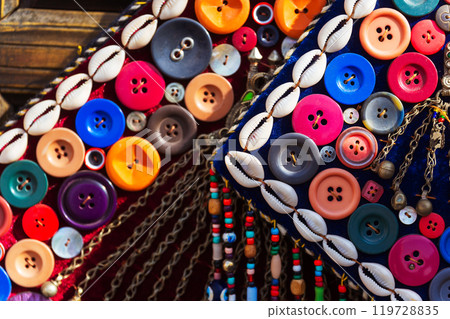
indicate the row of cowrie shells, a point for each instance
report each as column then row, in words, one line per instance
column 307, row 72
column 248, row 171
column 105, row 65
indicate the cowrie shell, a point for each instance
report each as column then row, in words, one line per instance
column 341, row 250
column 335, row 34
column 245, row 168
column 310, row 68
column 377, row 278
column 256, row 132
column 359, row 8
column 41, row 117
column 168, row 9
column 280, row 196
column 310, row 225
column 106, row 64
column 13, row 144
column 74, row 91
column 405, row 295
column 139, row 32
column 282, row 100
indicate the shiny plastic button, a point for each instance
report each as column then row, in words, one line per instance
column 225, row 60
column 372, row 191
column 5, row 216
column 267, row 35
column 439, row 289
column 140, row 86
column 100, row 123
column 23, row 184
column 29, row 263
column 318, row 117
column 5, row 285
column 351, row 115
column 432, row 226
column 209, row 97
column 87, row 200
column 416, row 8
column 382, row 113
column 349, row 78
column 427, row 38
column 443, row 17
column 385, row 34
column 444, row 245
column 244, row 39
column 28, row 296
column 95, row 159
column 67, row 243
column 132, row 163
column 174, row 92
column 373, row 228
column 181, row 48
column 40, row 222
column 334, row 193
column 412, row 77
column 407, row 215
column 136, row 121
column 287, row 44
column 328, row 153
column 414, row 260
column 60, row 152
column 356, row 147
column 263, row 13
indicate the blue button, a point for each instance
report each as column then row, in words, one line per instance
column 268, row 35
column 349, row 78
column 439, row 289
column 67, row 243
column 444, row 245
column 416, row 8
column 5, row 285
column 100, row 123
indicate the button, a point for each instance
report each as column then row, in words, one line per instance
column 175, row 129
column 443, row 17
column 136, row 121
column 174, row 92
column 427, row 38
column 356, row 147
column 100, row 123
column 407, row 215
column 181, row 48
column 140, row 86
column 29, row 263
column 432, row 226
column 5, row 285
column 416, row 8
column 23, row 184
column 328, row 153
column 372, row 191
column 60, row 152
column 267, row 35
column 349, row 78
column 287, row 44
column 40, row 222
column 87, row 200
column 209, row 97
column 95, row 159
column 351, row 115
column 244, row 39
column 293, row 158
column 263, row 13
column 318, row 117
column 444, row 245
column 67, row 243
column 132, row 163
column 414, row 260
column 222, row 17
column 412, row 77
column 28, row 296
column 334, row 193
column 5, row 216
column 385, row 34
column 439, row 289
column 225, row 60
column 382, row 113
column 292, row 17
column 373, row 228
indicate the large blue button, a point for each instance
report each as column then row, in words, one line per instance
column 100, row 123
column 439, row 289
column 444, row 245
column 349, row 78
column 5, row 285
column 416, row 8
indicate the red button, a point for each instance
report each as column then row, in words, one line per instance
column 356, row 147
column 5, row 216
column 427, row 38
column 432, row 226
column 244, row 39
column 412, row 77
column 40, row 222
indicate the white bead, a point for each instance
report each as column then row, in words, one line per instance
column 41, row 117
column 346, row 251
column 285, row 197
column 283, row 100
column 310, row 225
column 49, row 289
column 306, row 71
column 335, row 34
column 168, row 9
column 361, row 9
column 13, row 144
column 382, row 276
column 256, row 132
column 106, row 64
column 134, row 36
column 297, row 268
column 74, row 91
column 249, row 171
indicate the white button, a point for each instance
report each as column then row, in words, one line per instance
column 351, row 115
column 407, row 215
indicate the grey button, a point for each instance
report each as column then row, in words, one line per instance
column 328, row 154
column 382, row 113
column 225, row 60
column 174, row 92
column 136, row 121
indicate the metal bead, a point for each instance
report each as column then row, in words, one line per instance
column 386, row 170
column 424, row 207
column 228, row 265
column 398, row 201
column 49, row 289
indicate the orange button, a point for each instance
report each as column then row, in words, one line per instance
column 385, row 34
column 5, row 217
column 132, row 163
column 293, row 16
column 222, row 16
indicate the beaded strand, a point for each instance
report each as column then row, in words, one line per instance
column 250, row 253
column 229, row 237
column 342, row 289
column 275, row 263
column 215, row 210
column 319, row 279
column 298, row 285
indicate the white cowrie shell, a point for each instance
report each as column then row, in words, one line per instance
column 41, row 117
column 335, row 34
column 13, row 144
column 256, row 132
column 341, row 250
column 283, row 99
column 377, row 278
column 245, row 168
column 139, row 32
column 310, row 225
column 310, row 68
column 280, row 196
column 405, row 295
column 106, row 64
column 74, row 91
column 168, row 9
column 359, row 8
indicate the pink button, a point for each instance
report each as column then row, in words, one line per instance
column 318, row 117
column 140, row 86
column 372, row 191
column 427, row 38
column 244, row 39
column 356, row 147
column 412, row 77
column 414, row 260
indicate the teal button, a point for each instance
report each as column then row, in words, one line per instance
column 416, row 8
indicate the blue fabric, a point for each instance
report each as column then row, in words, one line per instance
column 412, row 182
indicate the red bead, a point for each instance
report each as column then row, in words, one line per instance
column 342, row 289
column 296, row 262
column 319, row 284
column 248, row 224
column 229, row 225
column 250, row 241
column 296, row 250
column 249, row 219
column 275, row 238
column 250, row 278
column 227, row 202
column 318, row 278
column 228, row 215
column 211, row 172
column 441, row 120
column 275, row 287
column 213, row 185
column 216, row 230
column 225, row 190
column 230, row 286
column 218, row 270
column 274, row 293
column 317, row 262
